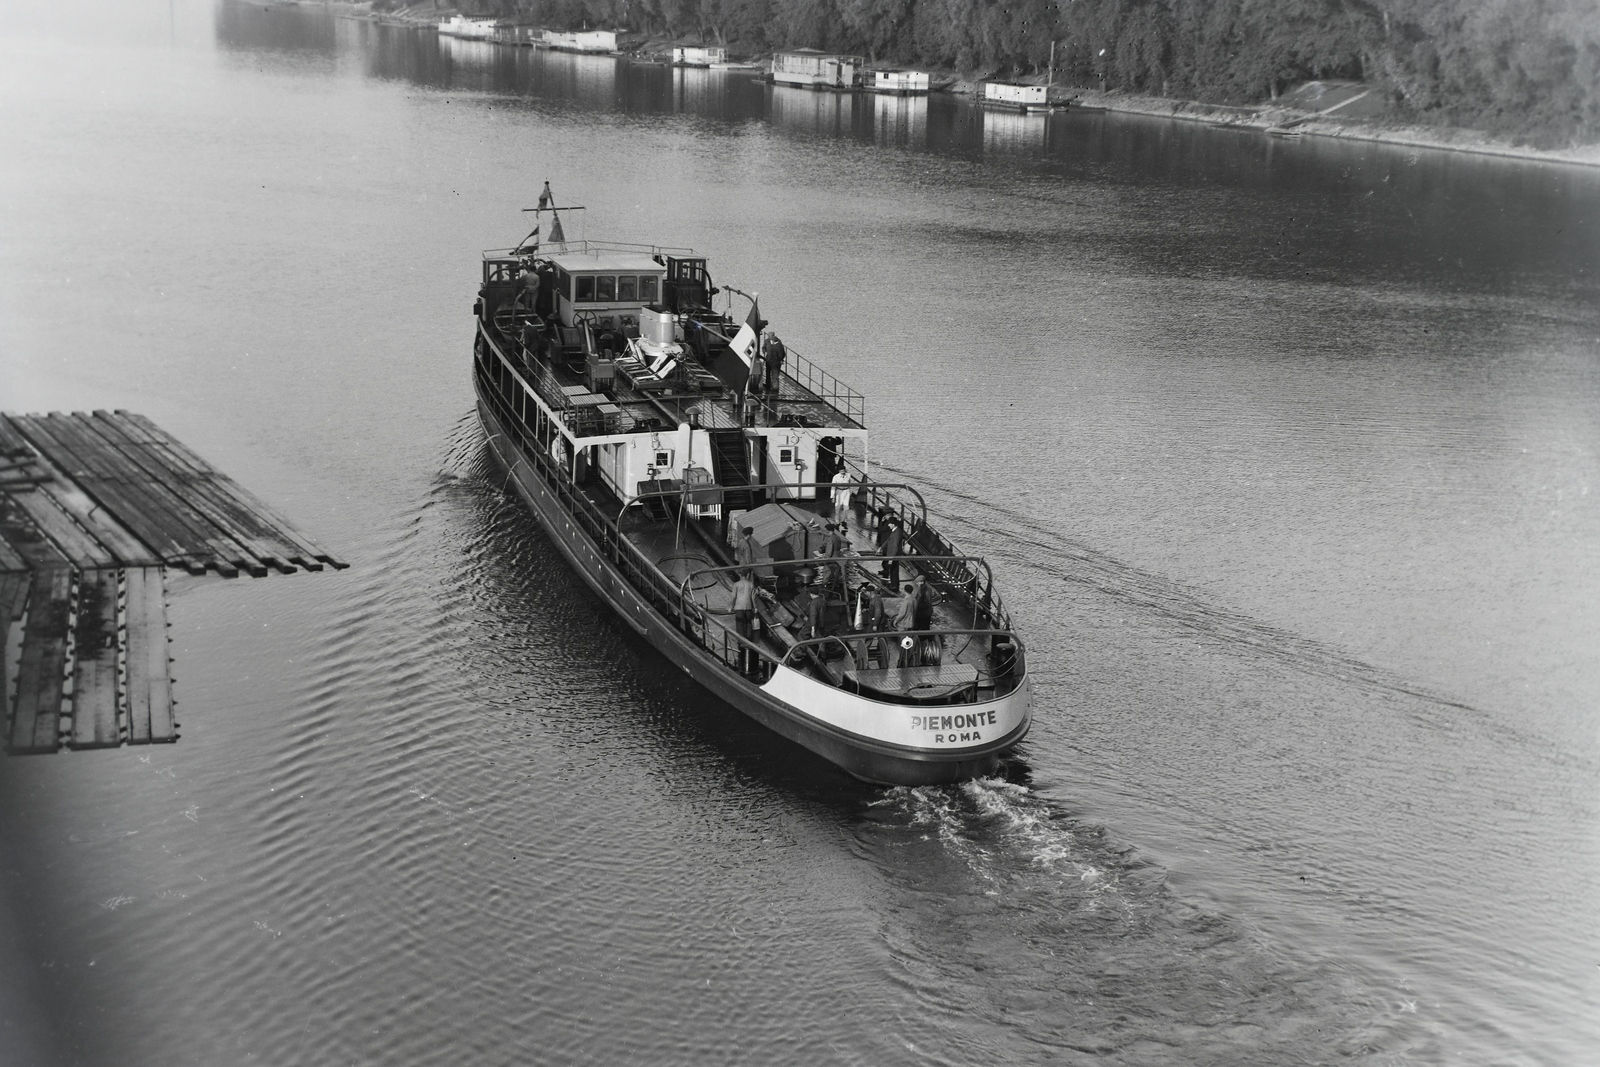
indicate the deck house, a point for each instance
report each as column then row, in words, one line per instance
column 905, row 82
column 689, row 56
column 1013, row 94
column 817, row 70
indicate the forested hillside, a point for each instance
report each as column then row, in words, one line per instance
column 1528, row 68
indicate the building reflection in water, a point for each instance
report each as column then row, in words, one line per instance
column 817, row 113
column 1009, row 132
column 900, row 121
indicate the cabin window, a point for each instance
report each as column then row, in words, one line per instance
column 627, row 287
column 647, row 288
column 605, row 288
column 563, row 283
column 585, row 294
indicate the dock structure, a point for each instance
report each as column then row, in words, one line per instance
column 93, row 509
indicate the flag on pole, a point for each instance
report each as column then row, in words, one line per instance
column 556, row 236
column 545, row 198
column 732, row 364
column 744, row 342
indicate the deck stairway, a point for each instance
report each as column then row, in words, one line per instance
column 731, row 467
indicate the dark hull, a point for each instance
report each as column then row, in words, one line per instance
column 865, row 758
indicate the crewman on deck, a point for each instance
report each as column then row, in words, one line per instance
column 841, row 492
column 796, row 536
column 889, row 544
column 772, row 355
column 747, row 551
column 903, row 618
column 744, row 610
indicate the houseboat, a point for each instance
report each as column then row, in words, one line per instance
column 900, row 82
column 471, row 29
column 817, row 70
column 711, row 486
column 690, row 56
column 601, row 42
column 1014, row 96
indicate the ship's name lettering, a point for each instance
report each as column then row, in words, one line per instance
column 952, row 722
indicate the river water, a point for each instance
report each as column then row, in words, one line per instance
column 1284, row 452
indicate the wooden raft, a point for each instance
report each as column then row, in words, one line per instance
column 92, row 509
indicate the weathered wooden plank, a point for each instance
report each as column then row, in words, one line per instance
column 308, row 546
column 13, row 601
column 176, row 512
column 11, row 442
column 13, row 595
column 41, row 676
column 106, row 492
column 94, row 672
column 135, row 640
column 10, row 562
column 271, row 537
column 83, row 551
column 116, row 484
column 227, row 528
column 202, row 487
column 121, row 542
column 149, row 685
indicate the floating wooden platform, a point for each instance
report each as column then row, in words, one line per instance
column 93, row 507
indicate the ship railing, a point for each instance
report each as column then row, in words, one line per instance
column 918, row 536
column 636, row 568
column 696, row 488
column 924, row 545
column 1003, row 669
column 561, row 247
column 975, row 587
column 820, row 383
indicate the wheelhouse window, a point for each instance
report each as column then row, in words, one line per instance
column 585, row 293
column 563, row 283
column 605, row 288
column 647, row 288
column 627, row 287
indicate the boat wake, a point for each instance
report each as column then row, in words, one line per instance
column 1072, row 561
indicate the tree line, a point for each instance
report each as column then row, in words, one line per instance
column 1528, row 68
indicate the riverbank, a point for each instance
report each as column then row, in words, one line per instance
column 1275, row 119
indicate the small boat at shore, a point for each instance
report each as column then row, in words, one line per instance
column 1014, row 96
column 711, row 485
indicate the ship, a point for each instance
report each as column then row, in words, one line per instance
column 712, row 485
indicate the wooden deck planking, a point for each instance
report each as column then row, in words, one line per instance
column 13, row 599
column 13, row 595
column 254, row 524
column 261, row 548
column 81, row 550
column 306, row 548
column 99, row 521
column 94, row 671
column 12, row 443
column 149, row 686
column 41, row 676
column 115, row 475
column 106, row 492
column 226, row 552
column 10, row 562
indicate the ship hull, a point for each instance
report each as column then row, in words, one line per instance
column 869, row 759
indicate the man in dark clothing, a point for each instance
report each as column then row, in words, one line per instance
column 772, row 357
column 889, row 544
column 747, row 551
column 744, row 610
